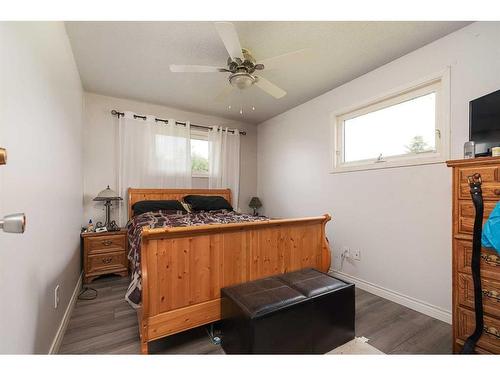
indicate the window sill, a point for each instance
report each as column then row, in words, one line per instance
column 199, row 175
column 436, row 159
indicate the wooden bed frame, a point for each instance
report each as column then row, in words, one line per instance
column 184, row 268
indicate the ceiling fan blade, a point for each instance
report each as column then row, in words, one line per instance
column 270, row 88
column 194, row 69
column 224, row 93
column 229, row 36
column 282, row 60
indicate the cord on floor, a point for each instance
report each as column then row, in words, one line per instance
column 83, row 297
column 214, row 338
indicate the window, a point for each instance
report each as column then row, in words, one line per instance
column 169, row 156
column 199, row 154
column 406, row 128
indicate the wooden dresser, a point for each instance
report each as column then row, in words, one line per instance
column 463, row 223
column 104, row 253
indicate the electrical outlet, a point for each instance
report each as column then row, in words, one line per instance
column 345, row 252
column 56, row 297
column 356, row 254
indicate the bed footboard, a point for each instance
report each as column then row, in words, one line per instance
column 183, row 269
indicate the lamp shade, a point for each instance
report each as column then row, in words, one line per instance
column 108, row 195
column 255, row 202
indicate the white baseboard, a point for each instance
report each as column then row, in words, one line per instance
column 412, row 303
column 56, row 343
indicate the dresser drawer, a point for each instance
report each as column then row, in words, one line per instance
column 104, row 244
column 490, row 340
column 467, row 213
column 106, row 262
column 491, row 294
column 488, row 173
column 489, row 176
column 490, row 261
column 491, row 191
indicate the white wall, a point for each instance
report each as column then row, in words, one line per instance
column 100, row 130
column 40, row 125
column 399, row 218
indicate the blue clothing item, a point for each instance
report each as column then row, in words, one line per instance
column 491, row 230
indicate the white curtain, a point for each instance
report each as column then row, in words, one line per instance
column 224, row 161
column 152, row 155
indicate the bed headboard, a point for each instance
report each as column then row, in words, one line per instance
column 136, row 195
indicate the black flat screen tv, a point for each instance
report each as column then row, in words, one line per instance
column 484, row 122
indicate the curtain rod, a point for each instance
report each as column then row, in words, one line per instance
column 114, row 112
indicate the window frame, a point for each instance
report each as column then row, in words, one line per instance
column 438, row 83
column 202, row 136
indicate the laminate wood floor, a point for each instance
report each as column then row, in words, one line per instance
column 108, row 325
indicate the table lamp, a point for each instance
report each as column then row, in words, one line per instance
column 255, row 203
column 107, row 195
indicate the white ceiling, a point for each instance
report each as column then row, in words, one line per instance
column 131, row 59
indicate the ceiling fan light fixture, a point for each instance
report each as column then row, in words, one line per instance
column 241, row 66
column 241, row 80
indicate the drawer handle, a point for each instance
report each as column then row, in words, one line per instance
column 492, row 260
column 107, row 242
column 496, row 191
column 492, row 331
column 107, row 260
column 493, row 294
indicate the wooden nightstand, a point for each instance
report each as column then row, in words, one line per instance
column 104, row 253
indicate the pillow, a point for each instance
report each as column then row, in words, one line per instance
column 207, row 203
column 148, row 206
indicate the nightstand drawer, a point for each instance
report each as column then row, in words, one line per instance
column 107, row 261
column 103, row 244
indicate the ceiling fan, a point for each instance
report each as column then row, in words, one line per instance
column 241, row 65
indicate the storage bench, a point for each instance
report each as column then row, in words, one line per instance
column 305, row 311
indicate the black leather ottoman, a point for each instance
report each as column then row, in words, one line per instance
column 306, row 311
